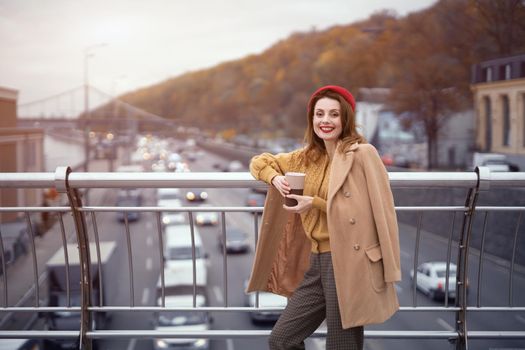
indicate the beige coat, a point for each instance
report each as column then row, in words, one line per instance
column 363, row 240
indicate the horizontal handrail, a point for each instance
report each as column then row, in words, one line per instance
column 242, row 180
column 482, row 180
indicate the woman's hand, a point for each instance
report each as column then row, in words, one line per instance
column 304, row 203
column 280, row 183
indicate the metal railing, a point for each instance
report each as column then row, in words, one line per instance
column 72, row 184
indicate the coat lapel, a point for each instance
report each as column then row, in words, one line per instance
column 341, row 165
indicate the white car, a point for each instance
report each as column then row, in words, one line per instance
column 178, row 253
column 168, row 193
column 180, row 321
column 431, row 279
column 172, row 217
column 235, row 166
column 204, row 218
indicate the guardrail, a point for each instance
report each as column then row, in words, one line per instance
column 72, row 184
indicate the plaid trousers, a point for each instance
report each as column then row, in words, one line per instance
column 314, row 300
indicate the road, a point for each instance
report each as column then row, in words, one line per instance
column 145, row 257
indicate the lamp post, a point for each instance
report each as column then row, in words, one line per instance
column 87, row 54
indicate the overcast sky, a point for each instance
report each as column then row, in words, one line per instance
column 44, row 42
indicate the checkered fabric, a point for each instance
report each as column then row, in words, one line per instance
column 314, row 300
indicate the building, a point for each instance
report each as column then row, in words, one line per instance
column 498, row 87
column 21, row 150
column 408, row 148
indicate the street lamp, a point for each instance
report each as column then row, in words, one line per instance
column 87, row 54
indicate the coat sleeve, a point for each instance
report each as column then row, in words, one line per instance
column 382, row 203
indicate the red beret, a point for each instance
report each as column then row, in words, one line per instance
column 338, row 89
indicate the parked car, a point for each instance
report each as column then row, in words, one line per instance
column 493, row 161
column 196, row 195
column 205, row 218
column 500, row 165
column 431, row 279
column 266, row 300
column 236, row 241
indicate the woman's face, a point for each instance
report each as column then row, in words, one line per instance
column 327, row 119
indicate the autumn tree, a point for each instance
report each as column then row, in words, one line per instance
column 425, row 89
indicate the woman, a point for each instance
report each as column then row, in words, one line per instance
column 338, row 260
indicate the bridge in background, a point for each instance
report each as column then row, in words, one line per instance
column 103, row 113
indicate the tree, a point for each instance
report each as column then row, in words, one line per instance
column 504, row 22
column 426, row 78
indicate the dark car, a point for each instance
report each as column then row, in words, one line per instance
column 236, row 241
column 129, row 201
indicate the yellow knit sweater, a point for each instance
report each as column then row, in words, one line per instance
column 266, row 166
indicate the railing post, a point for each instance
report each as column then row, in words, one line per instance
column 75, row 202
column 464, row 244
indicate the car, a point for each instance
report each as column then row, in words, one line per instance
column 22, row 344
column 431, row 279
column 168, row 193
column 234, row 166
column 129, row 201
column 204, row 218
column 172, row 217
column 236, row 240
column 493, row 161
column 178, row 253
column 255, row 200
column 130, row 192
column 196, row 195
column 266, row 300
column 181, row 321
column 14, row 239
column 500, row 165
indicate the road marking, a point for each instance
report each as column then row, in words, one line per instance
column 229, row 344
column 149, row 241
column 145, row 296
column 218, row 294
column 520, row 318
column 132, row 343
column 444, row 324
column 149, row 264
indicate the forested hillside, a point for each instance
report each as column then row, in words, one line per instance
column 425, row 58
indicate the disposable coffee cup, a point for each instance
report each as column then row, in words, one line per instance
column 296, row 182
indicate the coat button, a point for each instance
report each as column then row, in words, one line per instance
column 347, row 194
column 352, row 221
column 356, row 247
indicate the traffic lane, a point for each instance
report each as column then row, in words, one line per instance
column 145, row 260
column 433, row 248
column 238, row 267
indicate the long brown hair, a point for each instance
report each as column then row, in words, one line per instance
column 315, row 145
